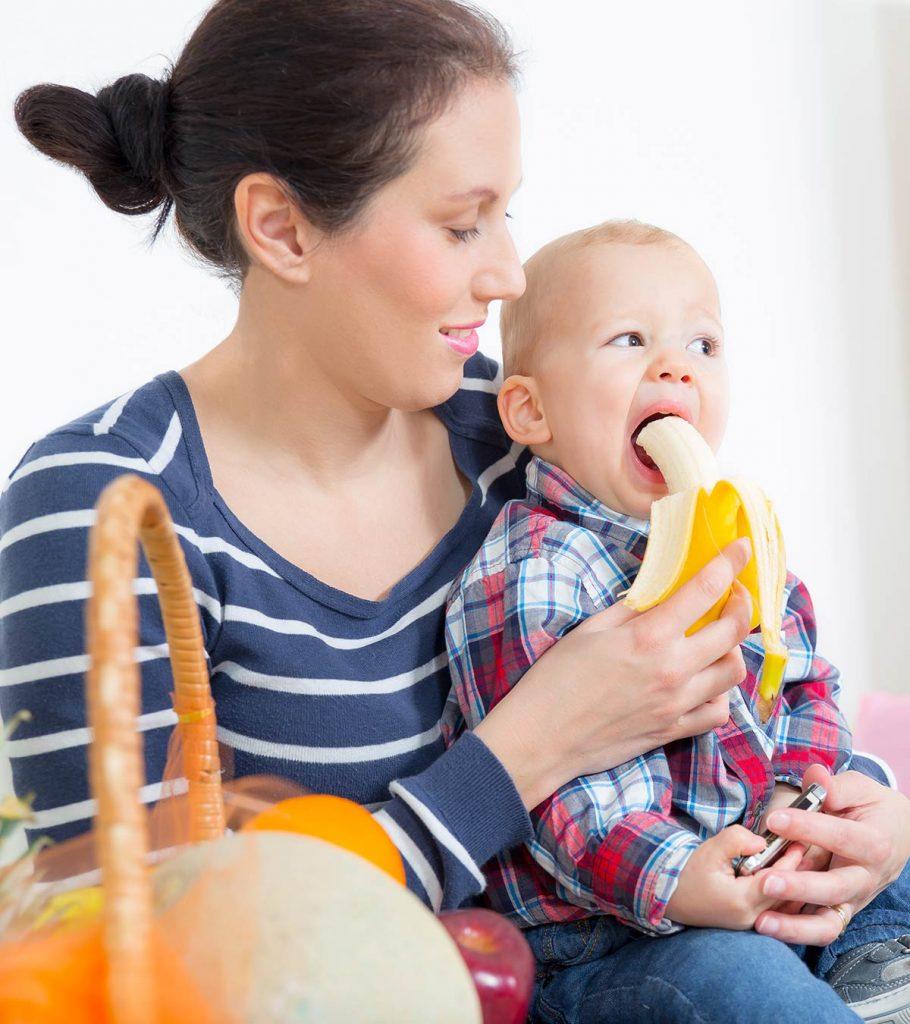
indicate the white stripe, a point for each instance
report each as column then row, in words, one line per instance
column 158, row 462
column 79, row 518
column 91, row 878
column 479, row 384
column 161, row 459
column 78, row 459
column 41, row 596
column 113, row 414
column 330, row 687
column 294, row 627
column 327, row 755
column 208, row 545
column 62, row 592
column 412, row 854
column 63, row 885
column 439, row 831
column 85, row 518
column 499, row 468
column 53, row 741
column 54, row 816
column 885, row 767
column 78, row 663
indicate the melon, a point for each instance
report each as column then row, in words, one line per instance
column 278, row 927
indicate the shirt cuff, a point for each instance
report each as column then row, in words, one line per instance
column 790, row 779
column 660, row 882
column 637, row 867
column 872, row 766
column 468, row 802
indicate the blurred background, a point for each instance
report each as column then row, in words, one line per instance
column 774, row 136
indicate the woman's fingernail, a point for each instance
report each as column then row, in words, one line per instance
column 778, row 820
column 774, row 886
column 768, row 927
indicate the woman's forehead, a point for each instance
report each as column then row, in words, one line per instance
column 473, row 149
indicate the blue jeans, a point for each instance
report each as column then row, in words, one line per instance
column 599, row 971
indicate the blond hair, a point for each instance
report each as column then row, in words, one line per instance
column 522, row 321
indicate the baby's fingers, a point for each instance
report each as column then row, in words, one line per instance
column 736, row 841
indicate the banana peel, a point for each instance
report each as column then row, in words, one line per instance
column 700, row 516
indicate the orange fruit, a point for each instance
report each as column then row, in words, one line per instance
column 338, row 821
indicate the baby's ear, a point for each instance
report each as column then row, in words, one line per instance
column 522, row 412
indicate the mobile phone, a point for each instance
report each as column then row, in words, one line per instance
column 810, row 800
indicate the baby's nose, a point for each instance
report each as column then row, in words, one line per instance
column 671, row 375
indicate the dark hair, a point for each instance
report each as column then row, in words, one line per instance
column 327, row 95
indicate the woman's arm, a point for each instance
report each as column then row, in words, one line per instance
column 46, row 511
column 618, row 685
column 622, row 683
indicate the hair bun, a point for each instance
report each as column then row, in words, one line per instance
column 117, row 139
column 137, row 108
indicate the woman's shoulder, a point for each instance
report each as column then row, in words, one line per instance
column 471, row 411
column 139, row 431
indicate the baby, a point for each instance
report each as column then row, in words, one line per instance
column 621, row 323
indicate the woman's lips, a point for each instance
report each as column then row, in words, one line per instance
column 463, row 340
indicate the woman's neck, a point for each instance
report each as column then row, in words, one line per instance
column 265, row 394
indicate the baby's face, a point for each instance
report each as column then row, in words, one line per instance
column 635, row 331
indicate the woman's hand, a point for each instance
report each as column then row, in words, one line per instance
column 623, row 683
column 866, row 831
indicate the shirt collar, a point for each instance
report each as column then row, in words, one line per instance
column 552, row 486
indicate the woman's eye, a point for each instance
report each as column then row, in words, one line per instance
column 465, row 234
column 627, row 341
column 705, row 346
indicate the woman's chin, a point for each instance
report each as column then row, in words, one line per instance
column 436, row 388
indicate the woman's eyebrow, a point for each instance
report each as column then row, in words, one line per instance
column 481, row 192
column 476, row 193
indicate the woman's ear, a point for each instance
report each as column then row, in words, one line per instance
column 275, row 233
column 522, row 412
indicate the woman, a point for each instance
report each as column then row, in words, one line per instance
column 337, row 459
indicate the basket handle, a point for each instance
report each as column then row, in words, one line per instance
column 131, row 509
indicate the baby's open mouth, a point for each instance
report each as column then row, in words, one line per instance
column 643, row 457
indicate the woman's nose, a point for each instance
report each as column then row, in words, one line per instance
column 503, row 276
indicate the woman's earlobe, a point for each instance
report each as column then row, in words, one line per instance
column 275, row 233
column 522, row 412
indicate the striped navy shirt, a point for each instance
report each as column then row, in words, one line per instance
column 340, row 694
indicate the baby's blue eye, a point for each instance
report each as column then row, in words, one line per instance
column 707, row 346
column 627, row 341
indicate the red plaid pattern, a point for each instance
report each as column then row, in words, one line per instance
column 615, row 842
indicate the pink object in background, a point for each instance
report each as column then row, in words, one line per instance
column 883, row 729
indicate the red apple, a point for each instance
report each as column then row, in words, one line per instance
column 500, row 962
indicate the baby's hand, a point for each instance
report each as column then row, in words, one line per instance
column 709, row 895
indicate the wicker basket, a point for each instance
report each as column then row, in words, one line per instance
column 131, row 509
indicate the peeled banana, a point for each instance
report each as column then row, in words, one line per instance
column 699, row 517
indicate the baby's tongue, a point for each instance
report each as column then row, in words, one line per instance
column 644, row 456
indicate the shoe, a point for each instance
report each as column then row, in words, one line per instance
column 874, row 980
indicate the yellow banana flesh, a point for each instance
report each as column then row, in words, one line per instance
column 700, row 516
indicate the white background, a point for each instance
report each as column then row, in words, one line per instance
column 774, row 136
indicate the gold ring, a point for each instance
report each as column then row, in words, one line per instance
column 843, row 912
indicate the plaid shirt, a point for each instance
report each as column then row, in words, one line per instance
column 615, row 842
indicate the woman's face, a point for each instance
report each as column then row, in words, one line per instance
column 399, row 296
